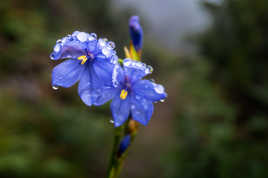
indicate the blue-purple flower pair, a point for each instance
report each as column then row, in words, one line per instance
column 94, row 63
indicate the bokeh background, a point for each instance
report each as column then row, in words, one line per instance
column 211, row 55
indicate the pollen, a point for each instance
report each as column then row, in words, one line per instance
column 83, row 59
column 123, row 94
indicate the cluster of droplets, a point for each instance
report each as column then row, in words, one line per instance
column 75, row 36
column 138, row 65
column 107, row 49
column 90, row 42
column 115, row 75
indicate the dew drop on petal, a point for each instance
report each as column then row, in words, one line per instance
column 91, row 38
column 111, row 121
column 101, row 43
column 75, row 33
column 65, row 39
column 59, row 41
column 132, row 106
column 57, row 47
column 149, row 69
column 82, row 36
column 111, row 44
column 94, row 35
column 114, row 76
column 138, row 97
column 52, row 56
column 127, row 63
column 114, row 59
column 106, row 52
column 159, row 89
column 162, row 101
column 55, row 87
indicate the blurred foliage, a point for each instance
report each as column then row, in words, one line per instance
column 215, row 117
column 46, row 133
column 223, row 123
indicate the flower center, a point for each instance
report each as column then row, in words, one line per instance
column 123, row 94
column 83, row 59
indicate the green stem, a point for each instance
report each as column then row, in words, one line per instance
column 116, row 161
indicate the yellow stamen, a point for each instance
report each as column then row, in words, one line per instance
column 123, row 94
column 127, row 54
column 83, row 59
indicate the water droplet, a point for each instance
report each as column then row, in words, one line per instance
column 75, row 33
column 149, row 69
column 55, row 87
column 91, row 38
column 132, row 106
column 111, row 44
column 57, row 47
column 138, row 97
column 114, row 59
column 162, row 100
column 106, row 52
column 111, row 121
column 94, row 35
column 52, row 56
column 64, row 40
column 114, row 76
column 82, row 36
column 159, row 89
column 127, row 63
column 101, row 43
column 58, row 41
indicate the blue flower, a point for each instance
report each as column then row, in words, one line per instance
column 133, row 96
column 136, row 32
column 91, row 61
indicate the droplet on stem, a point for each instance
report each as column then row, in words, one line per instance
column 55, row 87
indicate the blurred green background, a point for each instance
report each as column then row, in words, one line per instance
column 214, row 123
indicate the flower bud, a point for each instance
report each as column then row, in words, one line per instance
column 136, row 32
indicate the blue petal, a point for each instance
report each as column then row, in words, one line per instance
column 103, row 95
column 141, row 109
column 68, row 47
column 120, row 110
column 92, row 91
column 104, row 70
column 150, row 90
column 135, row 70
column 86, row 85
column 66, row 73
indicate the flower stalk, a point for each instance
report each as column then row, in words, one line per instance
column 118, row 155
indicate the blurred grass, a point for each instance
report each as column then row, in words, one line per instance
column 213, row 124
